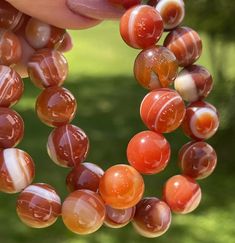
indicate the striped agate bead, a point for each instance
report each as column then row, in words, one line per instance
column 38, row 205
column 197, row 159
column 186, row 44
column 201, row 120
column 11, row 86
column 162, row 110
column 194, row 83
column 182, row 194
column 83, row 212
column 11, row 128
column 42, row 35
column 152, row 217
column 16, row 170
column 141, row 26
column 47, row 67
column 68, row 145
column 155, row 67
column 172, row 12
column 10, row 48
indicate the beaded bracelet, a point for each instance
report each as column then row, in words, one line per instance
column 113, row 197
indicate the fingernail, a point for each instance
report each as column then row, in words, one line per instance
column 97, row 9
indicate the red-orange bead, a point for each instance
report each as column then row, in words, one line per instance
column 121, row 186
column 197, row 159
column 42, row 35
column 10, row 48
column 47, row 68
column 141, row 26
column 148, row 152
column 182, row 194
column 162, row 110
column 155, row 67
column 201, row 120
column 84, row 176
column 11, row 128
column 56, row 106
column 11, row 86
column 83, row 212
column 186, row 44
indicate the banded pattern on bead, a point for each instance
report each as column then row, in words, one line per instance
column 16, row 170
column 38, row 205
column 186, row 44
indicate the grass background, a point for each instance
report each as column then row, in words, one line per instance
column 108, row 110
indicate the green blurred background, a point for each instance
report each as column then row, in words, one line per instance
column 108, row 98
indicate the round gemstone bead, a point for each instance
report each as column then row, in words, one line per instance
column 152, row 217
column 182, row 194
column 148, row 152
column 186, row 44
column 11, row 128
column 118, row 218
column 126, row 3
column 162, row 110
column 11, row 86
column 68, row 145
column 194, row 83
column 141, row 26
column 10, row 48
column 16, row 170
column 83, row 212
column 155, row 67
column 47, row 68
column 121, row 186
column 197, row 159
column 42, row 35
column 201, row 120
column 172, row 12
column 56, row 106
column 38, row 205
column 84, row 176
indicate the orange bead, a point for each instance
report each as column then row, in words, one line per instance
column 121, row 186
column 10, row 48
column 56, row 106
column 47, row 68
column 83, row 212
column 155, row 67
column 162, row 110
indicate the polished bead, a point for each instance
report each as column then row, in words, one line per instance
column 148, row 152
column 186, row 44
column 201, row 120
column 155, row 67
column 56, row 106
column 10, row 17
column 118, row 218
column 182, row 194
column 11, row 128
column 11, row 86
column 16, row 170
column 152, row 217
column 83, row 212
column 141, row 26
column 84, row 176
column 68, row 145
column 121, row 186
column 172, row 12
column 67, row 43
column 197, row 159
column 126, row 3
column 38, row 206
column 42, row 35
column 162, row 110
column 10, row 48
column 47, row 68
column 194, row 83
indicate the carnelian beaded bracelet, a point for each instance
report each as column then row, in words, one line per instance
column 113, row 197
